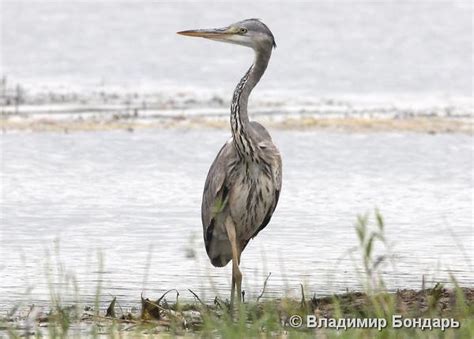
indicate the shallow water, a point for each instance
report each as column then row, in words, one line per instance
column 129, row 196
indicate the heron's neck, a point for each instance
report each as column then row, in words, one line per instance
column 239, row 119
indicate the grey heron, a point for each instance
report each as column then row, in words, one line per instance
column 244, row 182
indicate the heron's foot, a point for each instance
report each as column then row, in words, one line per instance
column 235, row 311
column 235, row 305
column 232, row 305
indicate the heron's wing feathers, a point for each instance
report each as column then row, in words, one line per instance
column 215, row 196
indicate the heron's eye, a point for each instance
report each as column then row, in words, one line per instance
column 243, row 30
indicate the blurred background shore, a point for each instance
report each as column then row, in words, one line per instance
column 69, row 111
column 348, row 65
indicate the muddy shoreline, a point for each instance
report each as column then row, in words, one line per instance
column 165, row 316
column 129, row 122
column 69, row 110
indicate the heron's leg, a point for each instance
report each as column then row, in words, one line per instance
column 236, row 274
column 232, row 291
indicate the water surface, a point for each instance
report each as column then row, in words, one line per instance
column 136, row 195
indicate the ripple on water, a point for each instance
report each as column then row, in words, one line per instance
column 125, row 195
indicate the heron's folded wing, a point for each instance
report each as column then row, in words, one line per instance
column 215, row 192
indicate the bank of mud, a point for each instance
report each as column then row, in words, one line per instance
column 168, row 315
column 131, row 123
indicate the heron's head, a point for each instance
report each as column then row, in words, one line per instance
column 251, row 33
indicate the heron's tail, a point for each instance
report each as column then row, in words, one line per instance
column 219, row 252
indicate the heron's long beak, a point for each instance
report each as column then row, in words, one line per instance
column 213, row 33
